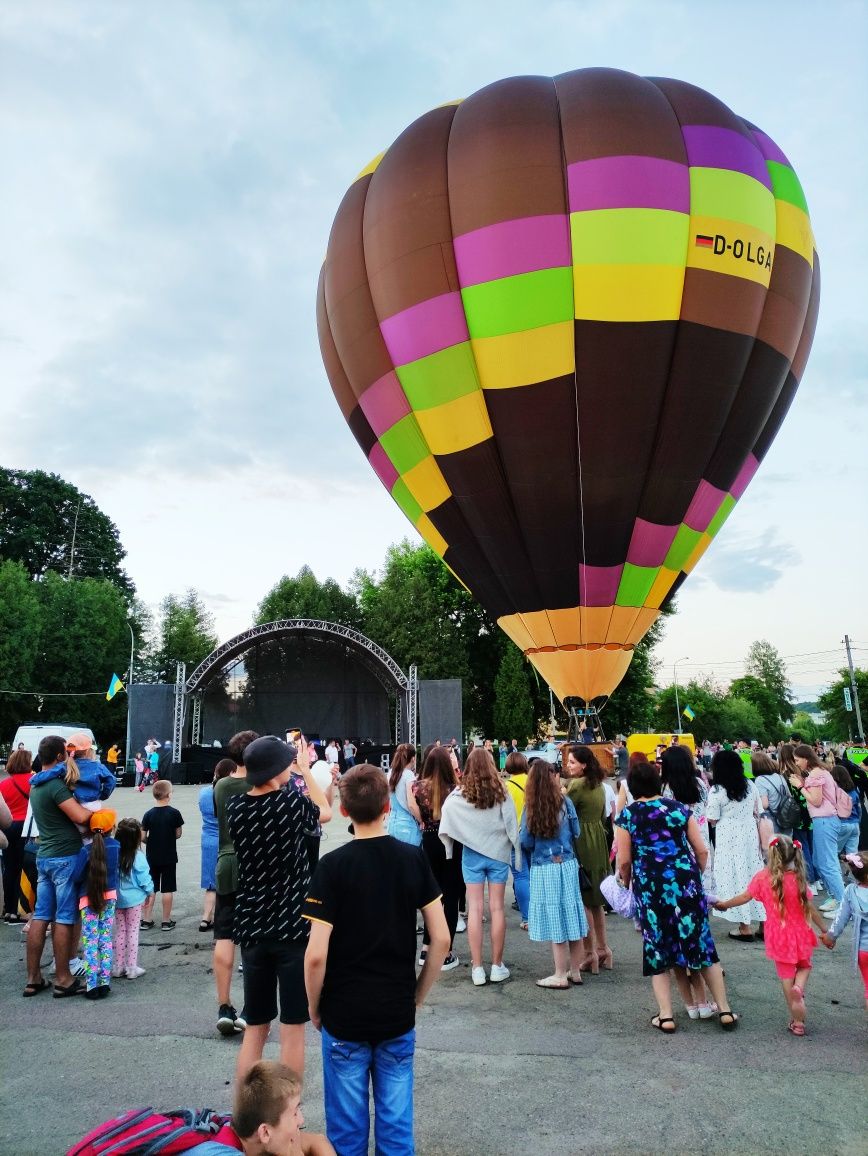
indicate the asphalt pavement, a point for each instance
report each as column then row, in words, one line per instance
column 500, row 1070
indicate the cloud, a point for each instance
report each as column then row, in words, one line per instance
column 750, row 565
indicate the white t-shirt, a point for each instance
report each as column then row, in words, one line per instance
column 331, row 754
column 611, row 800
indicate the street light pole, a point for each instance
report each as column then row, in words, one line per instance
column 129, row 692
column 684, row 658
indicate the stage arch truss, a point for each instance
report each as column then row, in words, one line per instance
column 373, row 658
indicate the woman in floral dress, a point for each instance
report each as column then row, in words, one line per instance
column 661, row 851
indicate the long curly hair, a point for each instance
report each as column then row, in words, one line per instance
column 785, row 855
column 481, row 785
column 543, row 801
column 441, row 777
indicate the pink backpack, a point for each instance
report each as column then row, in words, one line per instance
column 145, row 1132
column 843, row 803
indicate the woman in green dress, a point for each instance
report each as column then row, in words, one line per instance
column 585, row 789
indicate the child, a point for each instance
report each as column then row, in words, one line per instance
column 135, row 886
column 90, row 782
column 556, row 915
column 783, row 890
column 362, row 988
column 854, row 906
column 162, row 826
column 96, row 873
column 267, row 1117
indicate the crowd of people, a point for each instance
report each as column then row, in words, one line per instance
column 673, row 845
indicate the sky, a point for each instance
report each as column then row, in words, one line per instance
column 170, row 174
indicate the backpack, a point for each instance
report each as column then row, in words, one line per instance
column 787, row 812
column 146, row 1132
column 843, row 803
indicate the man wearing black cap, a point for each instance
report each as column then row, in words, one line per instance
column 268, row 825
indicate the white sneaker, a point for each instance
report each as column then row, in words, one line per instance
column 423, row 955
column 707, row 1011
column 478, row 976
column 134, row 972
column 692, row 1011
column 499, row 972
column 450, row 962
column 117, row 972
column 76, row 966
column 461, row 925
column 829, row 905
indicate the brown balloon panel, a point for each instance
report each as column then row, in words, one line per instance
column 564, row 320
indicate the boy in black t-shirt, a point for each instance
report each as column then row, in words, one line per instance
column 359, row 969
column 162, row 825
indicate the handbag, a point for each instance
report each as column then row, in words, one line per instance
column 620, row 898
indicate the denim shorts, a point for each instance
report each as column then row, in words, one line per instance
column 477, row 868
column 56, row 892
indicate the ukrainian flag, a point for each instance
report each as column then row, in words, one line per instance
column 689, row 713
column 114, row 686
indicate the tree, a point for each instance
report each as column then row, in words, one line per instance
column 84, row 640
column 756, row 692
column 48, row 525
column 742, row 720
column 186, row 633
column 631, row 706
column 513, row 705
column 306, row 597
column 841, row 723
column 804, row 726
column 20, row 627
column 765, row 664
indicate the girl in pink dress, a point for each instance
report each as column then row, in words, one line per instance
column 782, row 888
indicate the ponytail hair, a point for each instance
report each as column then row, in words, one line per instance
column 97, row 873
column 73, row 774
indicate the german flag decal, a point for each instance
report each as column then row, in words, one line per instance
column 704, row 241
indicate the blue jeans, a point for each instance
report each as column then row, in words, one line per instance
column 521, row 885
column 848, row 837
column 401, row 825
column 347, row 1069
column 56, row 889
column 826, row 855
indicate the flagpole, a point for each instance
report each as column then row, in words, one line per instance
column 675, row 682
column 129, row 694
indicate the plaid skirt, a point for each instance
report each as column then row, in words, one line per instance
column 556, row 913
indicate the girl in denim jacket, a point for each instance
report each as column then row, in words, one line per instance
column 556, row 915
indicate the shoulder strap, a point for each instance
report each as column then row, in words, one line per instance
column 23, row 794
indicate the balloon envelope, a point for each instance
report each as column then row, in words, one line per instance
column 564, row 319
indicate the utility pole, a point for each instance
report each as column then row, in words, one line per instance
column 72, row 547
column 853, row 689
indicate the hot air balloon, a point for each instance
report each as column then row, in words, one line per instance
column 564, row 319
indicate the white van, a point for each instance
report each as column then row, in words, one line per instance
column 30, row 734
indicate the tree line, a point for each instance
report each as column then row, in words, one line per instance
column 67, row 610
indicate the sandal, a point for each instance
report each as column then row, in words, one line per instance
column 553, row 983
column 743, row 938
column 590, row 963
column 606, row 959
column 575, row 982
column 523, row 925
column 658, row 1022
column 31, row 989
column 796, row 1028
column 168, row 925
column 206, row 924
column 730, row 1024
column 74, row 988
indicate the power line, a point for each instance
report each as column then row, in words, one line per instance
column 56, row 693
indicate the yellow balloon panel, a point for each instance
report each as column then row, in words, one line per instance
column 588, row 674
